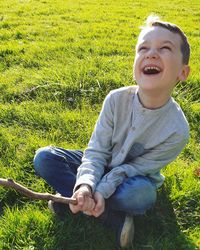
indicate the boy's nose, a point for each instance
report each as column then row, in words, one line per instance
column 152, row 53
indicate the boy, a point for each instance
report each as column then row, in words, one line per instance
column 139, row 131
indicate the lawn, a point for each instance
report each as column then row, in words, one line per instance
column 58, row 60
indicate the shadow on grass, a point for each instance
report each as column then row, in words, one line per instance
column 1, row 208
column 159, row 228
column 77, row 232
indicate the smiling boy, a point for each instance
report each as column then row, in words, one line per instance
column 160, row 62
column 139, row 131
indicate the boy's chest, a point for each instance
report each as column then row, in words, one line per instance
column 140, row 134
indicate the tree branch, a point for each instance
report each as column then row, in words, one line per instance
column 35, row 195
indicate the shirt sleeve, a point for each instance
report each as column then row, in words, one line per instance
column 148, row 164
column 98, row 152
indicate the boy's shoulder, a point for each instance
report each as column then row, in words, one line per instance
column 179, row 119
column 127, row 90
column 121, row 99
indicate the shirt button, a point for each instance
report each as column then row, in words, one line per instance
column 133, row 128
column 122, row 151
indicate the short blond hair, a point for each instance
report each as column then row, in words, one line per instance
column 154, row 20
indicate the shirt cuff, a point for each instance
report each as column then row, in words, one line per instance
column 105, row 189
column 85, row 179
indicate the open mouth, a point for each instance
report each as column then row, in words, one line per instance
column 151, row 70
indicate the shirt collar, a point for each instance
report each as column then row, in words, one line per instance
column 138, row 107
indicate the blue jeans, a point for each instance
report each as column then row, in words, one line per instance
column 59, row 167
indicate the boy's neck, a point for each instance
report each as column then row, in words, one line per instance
column 152, row 99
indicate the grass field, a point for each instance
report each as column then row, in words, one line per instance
column 58, row 60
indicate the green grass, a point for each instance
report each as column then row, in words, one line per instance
column 58, row 60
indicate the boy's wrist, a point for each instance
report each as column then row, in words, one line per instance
column 86, row 186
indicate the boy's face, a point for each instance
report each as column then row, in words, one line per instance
column 158, row 61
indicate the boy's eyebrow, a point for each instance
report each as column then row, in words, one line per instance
column 168, row 41
column 140, row 44
column 163, row 42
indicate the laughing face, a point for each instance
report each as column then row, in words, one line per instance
column 158, row 62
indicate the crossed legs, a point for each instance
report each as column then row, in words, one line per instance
column 58, row 167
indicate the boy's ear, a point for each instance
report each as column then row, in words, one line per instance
column 184, row 73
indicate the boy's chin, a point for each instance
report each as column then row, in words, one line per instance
column 151, row 78
column 150, row 85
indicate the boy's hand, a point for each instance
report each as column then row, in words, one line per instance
column 85, row 202
column 99, row 205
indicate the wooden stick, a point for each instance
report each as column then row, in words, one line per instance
column 35, row 195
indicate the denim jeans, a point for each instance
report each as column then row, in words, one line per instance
column 58, row 167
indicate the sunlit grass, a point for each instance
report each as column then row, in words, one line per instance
column 58, row 60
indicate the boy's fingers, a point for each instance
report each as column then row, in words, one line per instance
column 98, row 211
column 73, row 208
column 80, row 200
column 89, row 204
column 100, row 204
column 84, row 203
column 88, row 213
column 84, row 199
column 92, row 204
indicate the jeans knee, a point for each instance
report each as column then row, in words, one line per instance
column 136, row 195
column 40, row 158
column 144, row 198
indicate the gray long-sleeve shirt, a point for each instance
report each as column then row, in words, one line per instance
column 131, row 140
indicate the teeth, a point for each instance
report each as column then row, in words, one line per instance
column 151, row 68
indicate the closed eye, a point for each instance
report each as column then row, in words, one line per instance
column 142, row 48
column 165, row 47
